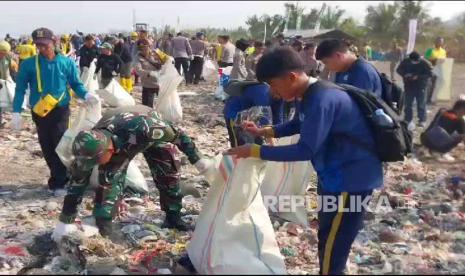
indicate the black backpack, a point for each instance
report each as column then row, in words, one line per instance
column 237, row 87
column 392, row 94
column 391, row 143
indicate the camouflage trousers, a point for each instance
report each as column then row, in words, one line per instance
column 107, row 195
column 164, row 167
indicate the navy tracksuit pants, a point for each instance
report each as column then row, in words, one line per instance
column 338, row 230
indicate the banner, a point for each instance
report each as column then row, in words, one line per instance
column 412, row 33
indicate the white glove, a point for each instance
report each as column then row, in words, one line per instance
column 203, row 165
column 154, row 74
column 191, row 57
column 91, row 98
column 63, row 229
column 17, row 121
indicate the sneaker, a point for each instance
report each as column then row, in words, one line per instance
column 447, row 157
column 411, row 126
column 60, row 192
column 421, row 124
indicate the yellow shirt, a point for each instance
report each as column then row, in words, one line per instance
column 26, row 51
column 434, row 54
column 439, row 53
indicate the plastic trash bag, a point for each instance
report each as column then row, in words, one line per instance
column 115, row 95
column 234, row 233
column 260, row 115
column 134, row 179
column 87, row 117
column 210, row 70
column 88, row 73
column 7, row 94
column 287, row 179
column 168, row 103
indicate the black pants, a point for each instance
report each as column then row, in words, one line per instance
column 148, row 95
column 50, row 129
column 184, row 62
column 195, row 70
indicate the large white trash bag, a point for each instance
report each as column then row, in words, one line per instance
column 443, row 71
column 87, row 74
column 7, row 94
column 115, row 95
column 287, row 179
column 89, row 79
column 210, row 70
column 87, row 117
column 168, row 103
column 233, row 233
column 134, row 178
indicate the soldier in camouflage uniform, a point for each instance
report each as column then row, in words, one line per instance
column 116, row 139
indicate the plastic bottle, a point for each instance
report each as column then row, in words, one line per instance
column 383, row 119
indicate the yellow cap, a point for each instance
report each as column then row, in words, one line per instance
column 65, row 36
column 5, row 46
column 134, row 34
column 29, row 41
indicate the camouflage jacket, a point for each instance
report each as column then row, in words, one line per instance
column 133, row 129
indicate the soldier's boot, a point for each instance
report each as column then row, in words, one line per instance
column 107, row 230
column 173, row 220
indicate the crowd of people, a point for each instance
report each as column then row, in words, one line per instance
column 279, row 75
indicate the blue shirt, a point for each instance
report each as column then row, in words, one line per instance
column 55, row 74
column 256, row 95
column 362, row 75
column 341, row 166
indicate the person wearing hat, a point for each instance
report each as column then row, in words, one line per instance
column 116, row 139
column 48, row 76
column 65, row 45
column 122, row 50
column 132, row 43
column 109, row 63
column 199, row 49
column 147, row 66
column 7, row 66
column 88, row 52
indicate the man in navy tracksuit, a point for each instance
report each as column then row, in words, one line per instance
column 337, row 57
column 344, row 170
column 258, row 95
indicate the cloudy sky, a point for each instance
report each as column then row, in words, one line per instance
column 101, row 16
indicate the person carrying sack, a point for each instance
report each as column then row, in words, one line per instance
column 48, row 74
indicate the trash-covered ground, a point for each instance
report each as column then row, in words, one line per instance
column 424, row 232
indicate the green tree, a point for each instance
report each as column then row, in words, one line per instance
column 256, row 26
column 331, row 17
column 350, row 26
column 381, row 21
column 412, row 10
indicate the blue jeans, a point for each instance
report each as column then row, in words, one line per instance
column 412, row 94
